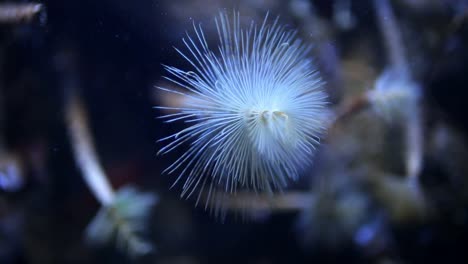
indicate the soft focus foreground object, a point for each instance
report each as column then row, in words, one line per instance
column 255, row 106
column 125, row 220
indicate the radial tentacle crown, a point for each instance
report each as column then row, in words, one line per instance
column 255, row 108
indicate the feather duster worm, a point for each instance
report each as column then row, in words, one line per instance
column 254, row 108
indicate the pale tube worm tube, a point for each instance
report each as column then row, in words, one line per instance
column 85, row 152
column 414, row 143
column 391, row 35
column 398, row 63
column 14, row 13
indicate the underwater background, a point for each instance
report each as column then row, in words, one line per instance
column 74, row 73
